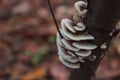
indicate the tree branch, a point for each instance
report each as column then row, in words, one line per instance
column 100, row 21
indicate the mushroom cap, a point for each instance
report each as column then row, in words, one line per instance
column 76, row 37
column 68, row 64
column 69, row 45
column 64, row 35
column 80, row 27
column 83, row 53
column 68, row 31
column 81, row 4
column 80, row 59
column 61, row 48
column 77, row 17
column 72, row 59
column 63, row 52
column 84, row 45
column 68, row 24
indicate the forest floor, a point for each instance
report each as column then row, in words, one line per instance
column 28, row 47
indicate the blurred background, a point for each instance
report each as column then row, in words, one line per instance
column 27, row 42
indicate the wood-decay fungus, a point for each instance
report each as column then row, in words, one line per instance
column 75, row 45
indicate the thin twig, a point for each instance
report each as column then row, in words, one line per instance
column 55, row 21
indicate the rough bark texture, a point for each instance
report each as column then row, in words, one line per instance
column 100, row 21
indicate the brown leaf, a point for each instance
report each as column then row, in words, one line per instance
column 38, row 73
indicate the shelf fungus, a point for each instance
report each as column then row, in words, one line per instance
column 74, row 46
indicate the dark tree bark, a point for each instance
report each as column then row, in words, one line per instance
column 100, row 21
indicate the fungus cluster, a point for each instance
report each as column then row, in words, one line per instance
column 74, row 45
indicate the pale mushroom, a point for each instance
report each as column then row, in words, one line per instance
column 77, row 37
column 77, row 17
column 58, row 41
column 68, row 24
column 84, row 45
column 61, row 48
column 83, row 53
column 73, row 46
column 69, row 45
column 80, row 59
column 63, row 52
column 64, row 35
column 78, row 6
column 73, row 59
column 69, row 64
column 80, row 27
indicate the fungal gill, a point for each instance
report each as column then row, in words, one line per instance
column 75, row 45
